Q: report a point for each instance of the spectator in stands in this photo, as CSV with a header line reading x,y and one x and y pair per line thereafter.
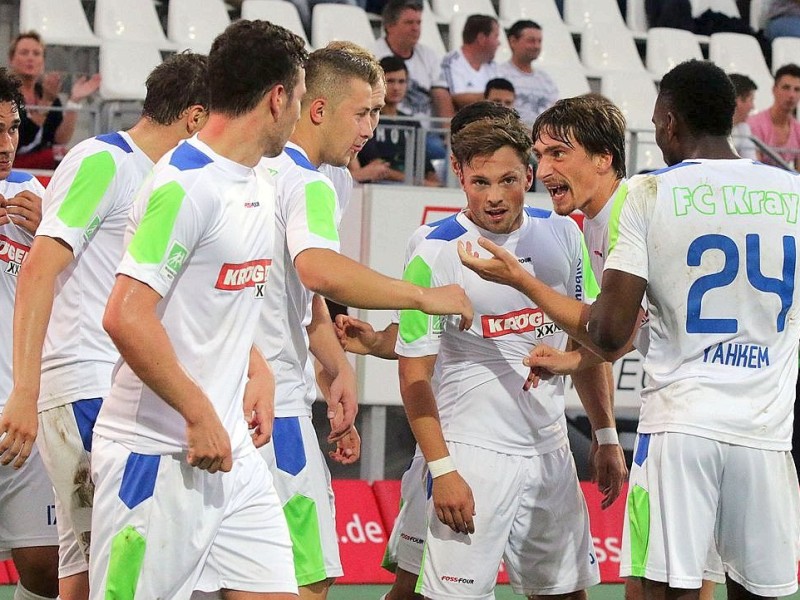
x,y
384,155
535,90
777,126
782,19
466,71
41,127
500,91
740,134
402,24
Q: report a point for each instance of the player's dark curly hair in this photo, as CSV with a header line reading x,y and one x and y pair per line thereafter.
x,y
702,95
10,89
176,84
591,120
262,55
485,136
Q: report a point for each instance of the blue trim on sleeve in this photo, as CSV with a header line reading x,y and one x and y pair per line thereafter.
x,y
299,159
85,412
448,230
186,157
287,440
115,139
18,177
642,448
673,167
139,478
538,213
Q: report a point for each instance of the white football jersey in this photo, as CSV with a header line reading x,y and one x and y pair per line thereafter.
x,y
86,205
716,241
205,244
307,215
479,372
15,243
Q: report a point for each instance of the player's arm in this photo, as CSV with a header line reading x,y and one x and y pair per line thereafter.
x,y
452,497
347,282
442,103
131,320
616,313
259,397
594,386
32,307
568,313
340,388
359,337
545,361
466,98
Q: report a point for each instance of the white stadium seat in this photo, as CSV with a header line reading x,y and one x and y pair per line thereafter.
x,y
194,24
130,20
785,50
430,35
59,22
124,67
609,47
331,22
447,9
668,47
280,12
535,10
581,13
740,53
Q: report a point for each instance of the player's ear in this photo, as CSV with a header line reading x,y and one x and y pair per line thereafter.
x,y
455,166
528,177
318,109
277,100
602,162
196,117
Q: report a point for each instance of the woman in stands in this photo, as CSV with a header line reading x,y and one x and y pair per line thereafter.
x,y
41,127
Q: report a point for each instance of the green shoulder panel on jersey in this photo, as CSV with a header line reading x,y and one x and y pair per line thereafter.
x,y
321,210
414,323
149,243
613,223
591,289
87,189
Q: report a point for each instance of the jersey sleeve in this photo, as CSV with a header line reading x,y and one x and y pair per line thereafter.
x,y
312,216
627,228
81,194
172,225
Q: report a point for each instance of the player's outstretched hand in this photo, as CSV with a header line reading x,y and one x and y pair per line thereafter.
x,y
610,472
453,501
448,300
503,267
18,426
342,402
24,210
348,448
209,444
545,361
355,335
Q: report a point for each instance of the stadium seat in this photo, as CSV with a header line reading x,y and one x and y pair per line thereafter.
x,y
740,53
668,47
635,94
430,35
447,9
456,38
279,12
331,22
609,46
785,50
726,7
535,10
194,24
636,16
756,8
59,22
124,67
580,14
560,59
130,20
570,81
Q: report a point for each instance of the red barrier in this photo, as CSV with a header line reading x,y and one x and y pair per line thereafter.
x,y
8,573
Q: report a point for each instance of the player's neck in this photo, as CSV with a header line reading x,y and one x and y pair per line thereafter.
x,y
710,147
307,136
156,140
238,139
602,195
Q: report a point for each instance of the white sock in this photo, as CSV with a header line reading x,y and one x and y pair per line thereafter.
x,y
22,594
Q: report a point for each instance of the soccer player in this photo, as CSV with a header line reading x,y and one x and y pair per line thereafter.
x,y
183,498
66,365
334,124
503,480
27,515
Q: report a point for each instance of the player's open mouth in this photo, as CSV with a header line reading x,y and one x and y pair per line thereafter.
x,y
557,192
496,214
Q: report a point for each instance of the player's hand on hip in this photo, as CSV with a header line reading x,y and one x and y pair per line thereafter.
x,y
453,501
354,335
545,361
209,445
610,472
24,210
348,448
18,426
448,300
503,267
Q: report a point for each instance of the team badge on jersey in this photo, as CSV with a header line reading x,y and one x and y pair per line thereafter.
x,y
175,258
12,253
527,320
252,274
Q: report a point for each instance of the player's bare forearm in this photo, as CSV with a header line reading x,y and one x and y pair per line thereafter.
x,y
420,405
259,397
592,386
322,339
617,313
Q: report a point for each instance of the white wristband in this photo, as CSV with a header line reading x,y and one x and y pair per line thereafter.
x,y
441,466
72,105
607,436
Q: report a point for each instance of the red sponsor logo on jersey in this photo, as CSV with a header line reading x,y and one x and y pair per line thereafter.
x,y
243,275
518,321
11,251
